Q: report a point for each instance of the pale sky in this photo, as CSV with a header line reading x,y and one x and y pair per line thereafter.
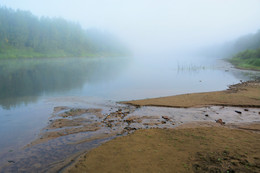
x,y
152,24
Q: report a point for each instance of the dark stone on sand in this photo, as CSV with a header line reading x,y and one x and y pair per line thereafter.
x,y
163,122
220,121
11,161
130,128
239,112
166,118
206,115
245,109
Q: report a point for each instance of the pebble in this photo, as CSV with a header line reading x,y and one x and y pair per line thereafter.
x,y
166,118
220,121
239,112
11,161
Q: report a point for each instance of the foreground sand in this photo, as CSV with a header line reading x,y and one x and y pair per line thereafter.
x,y
185,149
245,94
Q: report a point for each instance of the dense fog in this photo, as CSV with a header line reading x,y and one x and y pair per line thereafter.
x,y
150,26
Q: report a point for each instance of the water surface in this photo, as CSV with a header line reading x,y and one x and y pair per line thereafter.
x,y
30,88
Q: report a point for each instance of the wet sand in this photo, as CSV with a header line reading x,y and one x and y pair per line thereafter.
x,y
246,94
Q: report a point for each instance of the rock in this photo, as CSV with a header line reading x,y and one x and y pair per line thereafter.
x,y
206,115
163,122
173,123
129,120
166,118
238,112
130,128
11,161
220,121
245,109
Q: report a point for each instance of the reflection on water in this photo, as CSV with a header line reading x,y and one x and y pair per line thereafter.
x,y
24,80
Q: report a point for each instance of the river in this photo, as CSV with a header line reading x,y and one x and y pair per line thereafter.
x,y
31,88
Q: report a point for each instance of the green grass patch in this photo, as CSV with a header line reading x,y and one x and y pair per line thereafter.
x,y
249,59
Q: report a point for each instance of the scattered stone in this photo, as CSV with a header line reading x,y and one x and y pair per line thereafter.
x,y
151,123
166,118
130,128
206,115
220,121
239,112
173,123
11,161
245,109
129,120
163,122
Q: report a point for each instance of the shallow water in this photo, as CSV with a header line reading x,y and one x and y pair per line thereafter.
x,y
30,89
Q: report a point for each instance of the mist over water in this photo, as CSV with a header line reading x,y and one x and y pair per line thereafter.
x,y
169,42
149,26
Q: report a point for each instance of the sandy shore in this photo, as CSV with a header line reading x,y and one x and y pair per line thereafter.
x,y
246,94
201,132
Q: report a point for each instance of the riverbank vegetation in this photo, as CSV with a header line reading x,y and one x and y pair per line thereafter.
x,y
246,52
24,35
248,59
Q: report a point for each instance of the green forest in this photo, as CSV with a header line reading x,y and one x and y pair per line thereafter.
x,y
248,48
23,35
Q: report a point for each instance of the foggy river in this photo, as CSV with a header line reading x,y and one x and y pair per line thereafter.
x,y
31,88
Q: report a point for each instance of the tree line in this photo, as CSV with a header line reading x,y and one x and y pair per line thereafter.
x,y
24,35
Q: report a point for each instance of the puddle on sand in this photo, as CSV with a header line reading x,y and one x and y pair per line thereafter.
x,y
72,131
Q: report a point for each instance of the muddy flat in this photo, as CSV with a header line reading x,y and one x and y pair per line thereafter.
x,y
185,149
246,94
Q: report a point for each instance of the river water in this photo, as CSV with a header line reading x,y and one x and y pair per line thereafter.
x,y
31,88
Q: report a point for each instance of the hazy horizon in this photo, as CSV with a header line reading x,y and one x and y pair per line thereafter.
x,y
152,26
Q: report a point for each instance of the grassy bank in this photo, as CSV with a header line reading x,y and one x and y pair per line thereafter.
x,y
30,53
249,59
